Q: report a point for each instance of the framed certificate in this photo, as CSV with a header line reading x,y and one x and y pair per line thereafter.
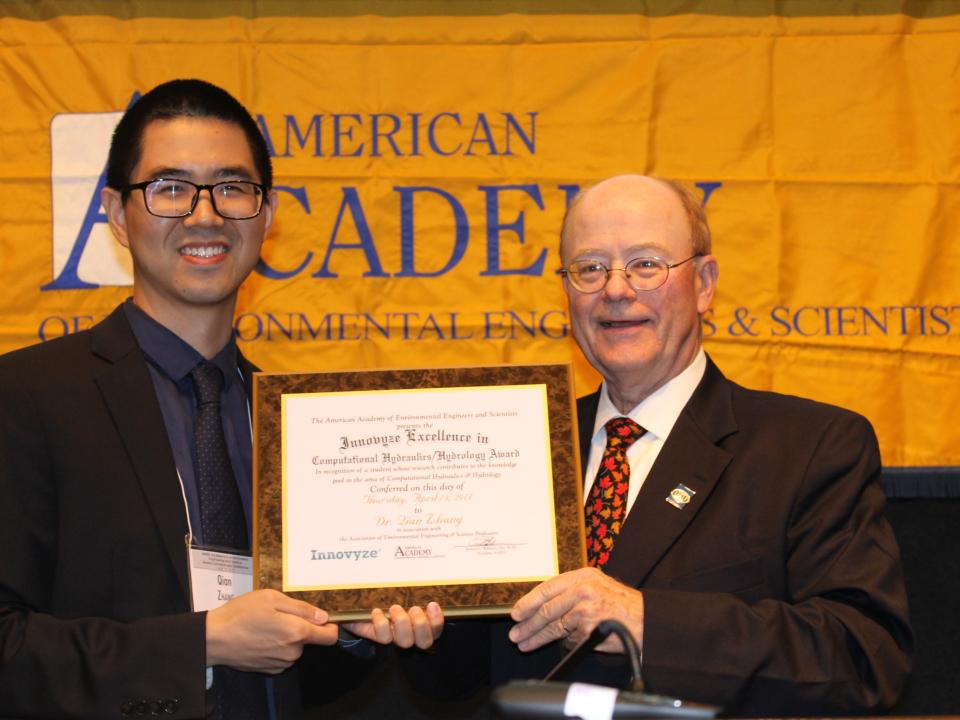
x,y
457,485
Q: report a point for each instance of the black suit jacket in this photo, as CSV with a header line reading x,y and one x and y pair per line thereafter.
x,y
94,596
776,591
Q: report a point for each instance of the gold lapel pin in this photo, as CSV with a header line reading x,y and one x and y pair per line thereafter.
x,y
680,496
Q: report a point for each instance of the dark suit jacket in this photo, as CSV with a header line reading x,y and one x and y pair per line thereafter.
x,y
94,596
778,589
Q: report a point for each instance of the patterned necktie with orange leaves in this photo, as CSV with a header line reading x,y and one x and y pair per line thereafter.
x,y
606,506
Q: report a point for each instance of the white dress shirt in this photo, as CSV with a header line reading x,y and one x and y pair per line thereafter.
x,y
657,414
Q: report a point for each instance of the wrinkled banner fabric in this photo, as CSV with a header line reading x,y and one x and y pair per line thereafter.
x,y
425,153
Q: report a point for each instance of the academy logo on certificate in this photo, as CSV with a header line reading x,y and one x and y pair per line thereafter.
x,y
85,254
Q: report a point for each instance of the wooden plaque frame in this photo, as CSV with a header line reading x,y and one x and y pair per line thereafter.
x,y
486,598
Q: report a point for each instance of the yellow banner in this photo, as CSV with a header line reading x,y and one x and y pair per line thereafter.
x,y
425,160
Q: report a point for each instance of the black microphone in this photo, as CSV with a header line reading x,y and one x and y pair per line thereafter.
x,y
552,699
548,699
599,634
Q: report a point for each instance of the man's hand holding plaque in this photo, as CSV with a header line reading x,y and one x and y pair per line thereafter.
x,y
417,626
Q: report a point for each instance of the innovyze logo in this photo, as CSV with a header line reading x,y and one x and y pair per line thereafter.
x,y
85,254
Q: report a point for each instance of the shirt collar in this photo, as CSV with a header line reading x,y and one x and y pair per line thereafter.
x,y
170,353
659,411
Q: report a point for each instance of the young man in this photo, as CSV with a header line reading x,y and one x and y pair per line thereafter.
x,y
117,443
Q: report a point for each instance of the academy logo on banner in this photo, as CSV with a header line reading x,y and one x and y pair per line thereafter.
x,y
85,253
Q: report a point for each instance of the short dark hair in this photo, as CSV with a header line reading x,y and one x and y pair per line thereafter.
x,y
174,99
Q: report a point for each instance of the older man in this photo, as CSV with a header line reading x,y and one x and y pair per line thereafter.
x,y
738,534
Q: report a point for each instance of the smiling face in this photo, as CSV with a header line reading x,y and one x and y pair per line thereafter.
x,y
197,262
636,340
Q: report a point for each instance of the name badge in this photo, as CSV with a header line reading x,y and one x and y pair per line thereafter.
x,y
217,577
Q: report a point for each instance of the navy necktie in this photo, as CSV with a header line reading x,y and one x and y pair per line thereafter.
x,y
239,695
221,511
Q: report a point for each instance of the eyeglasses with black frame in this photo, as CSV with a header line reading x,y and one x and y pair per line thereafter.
x,y
176,198
643,274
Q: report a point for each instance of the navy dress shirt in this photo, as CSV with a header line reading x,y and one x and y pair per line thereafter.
x,y
170,361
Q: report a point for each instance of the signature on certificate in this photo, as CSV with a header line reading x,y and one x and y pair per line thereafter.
x,y
487,543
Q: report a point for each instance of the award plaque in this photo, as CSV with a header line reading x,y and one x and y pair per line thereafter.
x,y
387,487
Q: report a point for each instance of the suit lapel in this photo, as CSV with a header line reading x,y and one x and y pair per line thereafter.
x,y
689,457
587,409
127,390
247,369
